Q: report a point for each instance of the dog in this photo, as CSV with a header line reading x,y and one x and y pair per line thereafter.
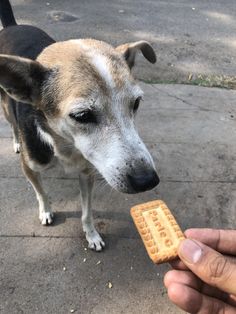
x,y
74,102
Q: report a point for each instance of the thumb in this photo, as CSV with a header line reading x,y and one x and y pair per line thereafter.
x,y
210,266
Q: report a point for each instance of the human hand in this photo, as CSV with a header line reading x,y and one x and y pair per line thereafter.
x,y
204,279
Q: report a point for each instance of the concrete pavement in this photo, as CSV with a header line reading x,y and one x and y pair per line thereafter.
x,y
191,134
190,37
189,130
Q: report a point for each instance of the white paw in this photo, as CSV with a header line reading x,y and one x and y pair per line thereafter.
x,y
46,218
16,147
95,241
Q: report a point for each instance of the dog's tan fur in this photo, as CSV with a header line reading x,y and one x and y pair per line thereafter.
x,y
77,75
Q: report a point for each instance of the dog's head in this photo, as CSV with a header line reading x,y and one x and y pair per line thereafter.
x,y
89,97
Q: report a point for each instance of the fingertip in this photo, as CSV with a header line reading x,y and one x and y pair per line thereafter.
x,y
184,297
201,234
166,280
190,251
190,233
169,278
174,292
191,300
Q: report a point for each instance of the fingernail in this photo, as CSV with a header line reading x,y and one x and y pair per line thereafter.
x,y
190,251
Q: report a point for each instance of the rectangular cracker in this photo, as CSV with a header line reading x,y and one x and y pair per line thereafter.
x,y
158,229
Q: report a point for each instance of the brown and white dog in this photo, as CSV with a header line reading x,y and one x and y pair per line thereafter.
x,y
75,104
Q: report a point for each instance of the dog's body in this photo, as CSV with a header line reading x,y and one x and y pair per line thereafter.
x,y
75,104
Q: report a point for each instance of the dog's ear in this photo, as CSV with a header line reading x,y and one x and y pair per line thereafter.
x,y
22,78
129,52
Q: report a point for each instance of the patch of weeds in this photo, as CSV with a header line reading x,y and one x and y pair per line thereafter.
x,y
220,81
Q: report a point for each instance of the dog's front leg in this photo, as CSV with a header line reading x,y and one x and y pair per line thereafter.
x,y
95,241
45,213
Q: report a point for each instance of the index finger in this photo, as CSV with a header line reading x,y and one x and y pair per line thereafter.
x,y
223,241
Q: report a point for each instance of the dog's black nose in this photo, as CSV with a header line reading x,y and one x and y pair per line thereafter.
x,y
143,182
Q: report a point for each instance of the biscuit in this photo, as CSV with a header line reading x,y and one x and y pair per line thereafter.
x,y
158,229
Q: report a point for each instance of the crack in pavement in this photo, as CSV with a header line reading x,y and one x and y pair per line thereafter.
x,y
163,180
111,236
185,102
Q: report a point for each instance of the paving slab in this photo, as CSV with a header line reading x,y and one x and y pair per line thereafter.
x,y
197,165
189,37
189,130
58,275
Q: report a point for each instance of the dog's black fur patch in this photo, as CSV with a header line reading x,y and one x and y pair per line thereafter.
x,y
6,14
38,150
25,41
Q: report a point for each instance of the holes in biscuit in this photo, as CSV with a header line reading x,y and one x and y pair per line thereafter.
x,y
180,234
163,234
155,258
150,243
147,237
141,225
140,219
153,250
168,242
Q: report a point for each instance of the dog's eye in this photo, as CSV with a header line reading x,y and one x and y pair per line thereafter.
x,y
136,104
86,116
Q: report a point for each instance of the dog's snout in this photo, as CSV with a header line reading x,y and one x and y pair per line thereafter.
x,y
144,181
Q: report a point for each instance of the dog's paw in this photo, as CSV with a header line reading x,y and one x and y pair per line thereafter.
x,y
46,218
95,241
16,147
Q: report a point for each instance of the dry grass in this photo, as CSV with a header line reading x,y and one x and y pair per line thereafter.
x,y
220,81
